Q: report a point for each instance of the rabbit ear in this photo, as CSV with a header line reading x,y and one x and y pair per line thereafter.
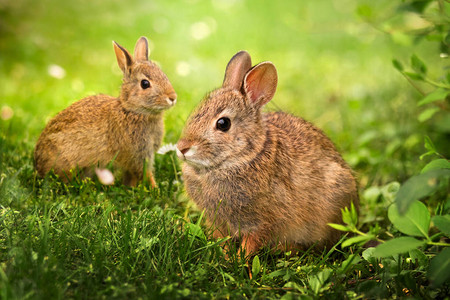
x,y
141,49
260,83
239,64
124,58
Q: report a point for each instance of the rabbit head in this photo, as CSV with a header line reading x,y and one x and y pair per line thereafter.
x,y
227,128
145,89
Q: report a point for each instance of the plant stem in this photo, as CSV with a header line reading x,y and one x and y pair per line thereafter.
x,y
414,85
365,234
439,244
437,84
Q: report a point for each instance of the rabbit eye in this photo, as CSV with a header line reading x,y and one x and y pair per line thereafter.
x,y
223,124
145,84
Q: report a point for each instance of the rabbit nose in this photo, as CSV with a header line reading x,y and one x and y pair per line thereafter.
x,y
180,154
182,148
172,97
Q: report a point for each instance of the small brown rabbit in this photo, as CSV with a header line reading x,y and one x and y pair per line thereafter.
x,y
268,179
99,129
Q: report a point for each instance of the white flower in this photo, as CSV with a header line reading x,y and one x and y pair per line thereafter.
x,y
167,148
56,71
6,113
105,176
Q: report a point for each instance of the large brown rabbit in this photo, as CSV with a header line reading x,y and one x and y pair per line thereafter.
x,y
268,179
99,129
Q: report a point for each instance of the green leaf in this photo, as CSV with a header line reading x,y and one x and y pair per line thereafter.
x,y
293,286
438,94
339,227
353,214
368,254
418,187
417,254
416,220
348,263
427,114
277,273
438,273
418,65
398,65
350,216
428,143
346,217
372,194
196,231
442,223
316,282
397,246
436,165
256,265
360,239
413,76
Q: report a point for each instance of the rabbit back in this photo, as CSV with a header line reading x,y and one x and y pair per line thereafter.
x,y
77,136
313,180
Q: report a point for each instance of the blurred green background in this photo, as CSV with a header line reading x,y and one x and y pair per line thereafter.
x,y
334,66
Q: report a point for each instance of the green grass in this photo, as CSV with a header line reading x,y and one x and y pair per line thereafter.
x,y
87,240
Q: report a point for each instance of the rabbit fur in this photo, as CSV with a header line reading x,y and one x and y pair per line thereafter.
x,y
271,179
99,129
